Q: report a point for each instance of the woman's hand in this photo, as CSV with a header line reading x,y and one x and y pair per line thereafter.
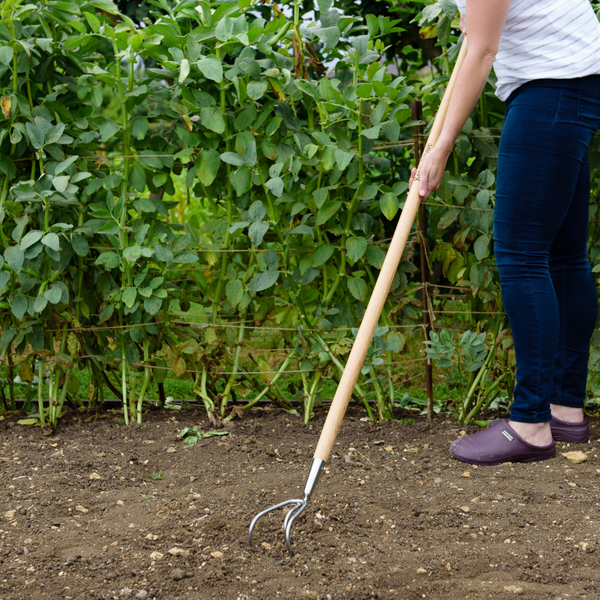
x,y
431,171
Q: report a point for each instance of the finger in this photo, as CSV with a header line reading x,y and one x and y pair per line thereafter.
x,y
413,173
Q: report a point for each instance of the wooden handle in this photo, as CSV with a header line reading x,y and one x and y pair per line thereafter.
x,y
382,286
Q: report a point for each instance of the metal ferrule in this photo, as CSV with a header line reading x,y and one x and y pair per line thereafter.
x,y
313,476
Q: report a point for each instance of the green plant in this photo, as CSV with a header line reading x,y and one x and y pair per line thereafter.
x,y
191,435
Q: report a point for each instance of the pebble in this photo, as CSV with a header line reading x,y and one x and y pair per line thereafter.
x,y
177,574
466,474
156,555
141,594
170,450
95,476
216,554
179,552
421,571
514,589
575,457
81,509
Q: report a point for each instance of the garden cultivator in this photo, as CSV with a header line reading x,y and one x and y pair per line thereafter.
x,y
367,328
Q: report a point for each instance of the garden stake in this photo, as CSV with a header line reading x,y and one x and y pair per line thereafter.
x,y
367,328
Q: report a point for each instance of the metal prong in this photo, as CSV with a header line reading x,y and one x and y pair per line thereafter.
x,y
268,510
295,511
292,515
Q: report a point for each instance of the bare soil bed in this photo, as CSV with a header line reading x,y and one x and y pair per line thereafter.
x,y
392,517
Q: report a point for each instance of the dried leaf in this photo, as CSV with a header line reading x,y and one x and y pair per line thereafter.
x,y
5,104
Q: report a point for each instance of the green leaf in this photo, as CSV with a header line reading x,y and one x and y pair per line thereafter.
x,y
211,68
372,133
80,245
15,257
358,288
207,166
212,119
152,305
184,70
234,291
4,278
448,218
327,211
108,129
139,127
256,89
343,158
129,295
31,238
65,164
60,183
322,255
240,180
262,281
110,260
6,55
391,129
51,240
375,256
232,158
275,184
6,339
330,36
301,229
389,204
36,135
257,231
356,248
481,246
185,257
53,294
137,177
324,5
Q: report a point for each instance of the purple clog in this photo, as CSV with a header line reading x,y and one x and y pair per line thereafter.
x,y
569,432
498,443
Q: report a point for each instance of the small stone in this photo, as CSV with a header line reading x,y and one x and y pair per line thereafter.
x,y
95,476
388,448
583,546
142,594
179,552
120,502
216,554
266,545
421,571
465,509
177,574
466,474
126,592
9,514
82,509
152,537
507,541
170,450
514,589
462,433
156,555
378,442
575,457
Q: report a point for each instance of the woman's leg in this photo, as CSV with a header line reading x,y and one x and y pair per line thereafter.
x,y
541,165
578,304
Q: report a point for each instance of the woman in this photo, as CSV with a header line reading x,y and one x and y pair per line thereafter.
x,y
546,55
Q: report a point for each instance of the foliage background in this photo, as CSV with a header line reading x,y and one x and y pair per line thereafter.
x,y
206,190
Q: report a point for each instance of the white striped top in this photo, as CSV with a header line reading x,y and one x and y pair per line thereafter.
x,y
545,39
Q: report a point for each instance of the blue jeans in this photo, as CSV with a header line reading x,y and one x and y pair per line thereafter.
x,y
540,235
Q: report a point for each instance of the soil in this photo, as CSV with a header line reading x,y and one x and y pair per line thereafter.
x,y
393,516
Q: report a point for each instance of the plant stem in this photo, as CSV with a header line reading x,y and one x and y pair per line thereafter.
x,y
308,407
